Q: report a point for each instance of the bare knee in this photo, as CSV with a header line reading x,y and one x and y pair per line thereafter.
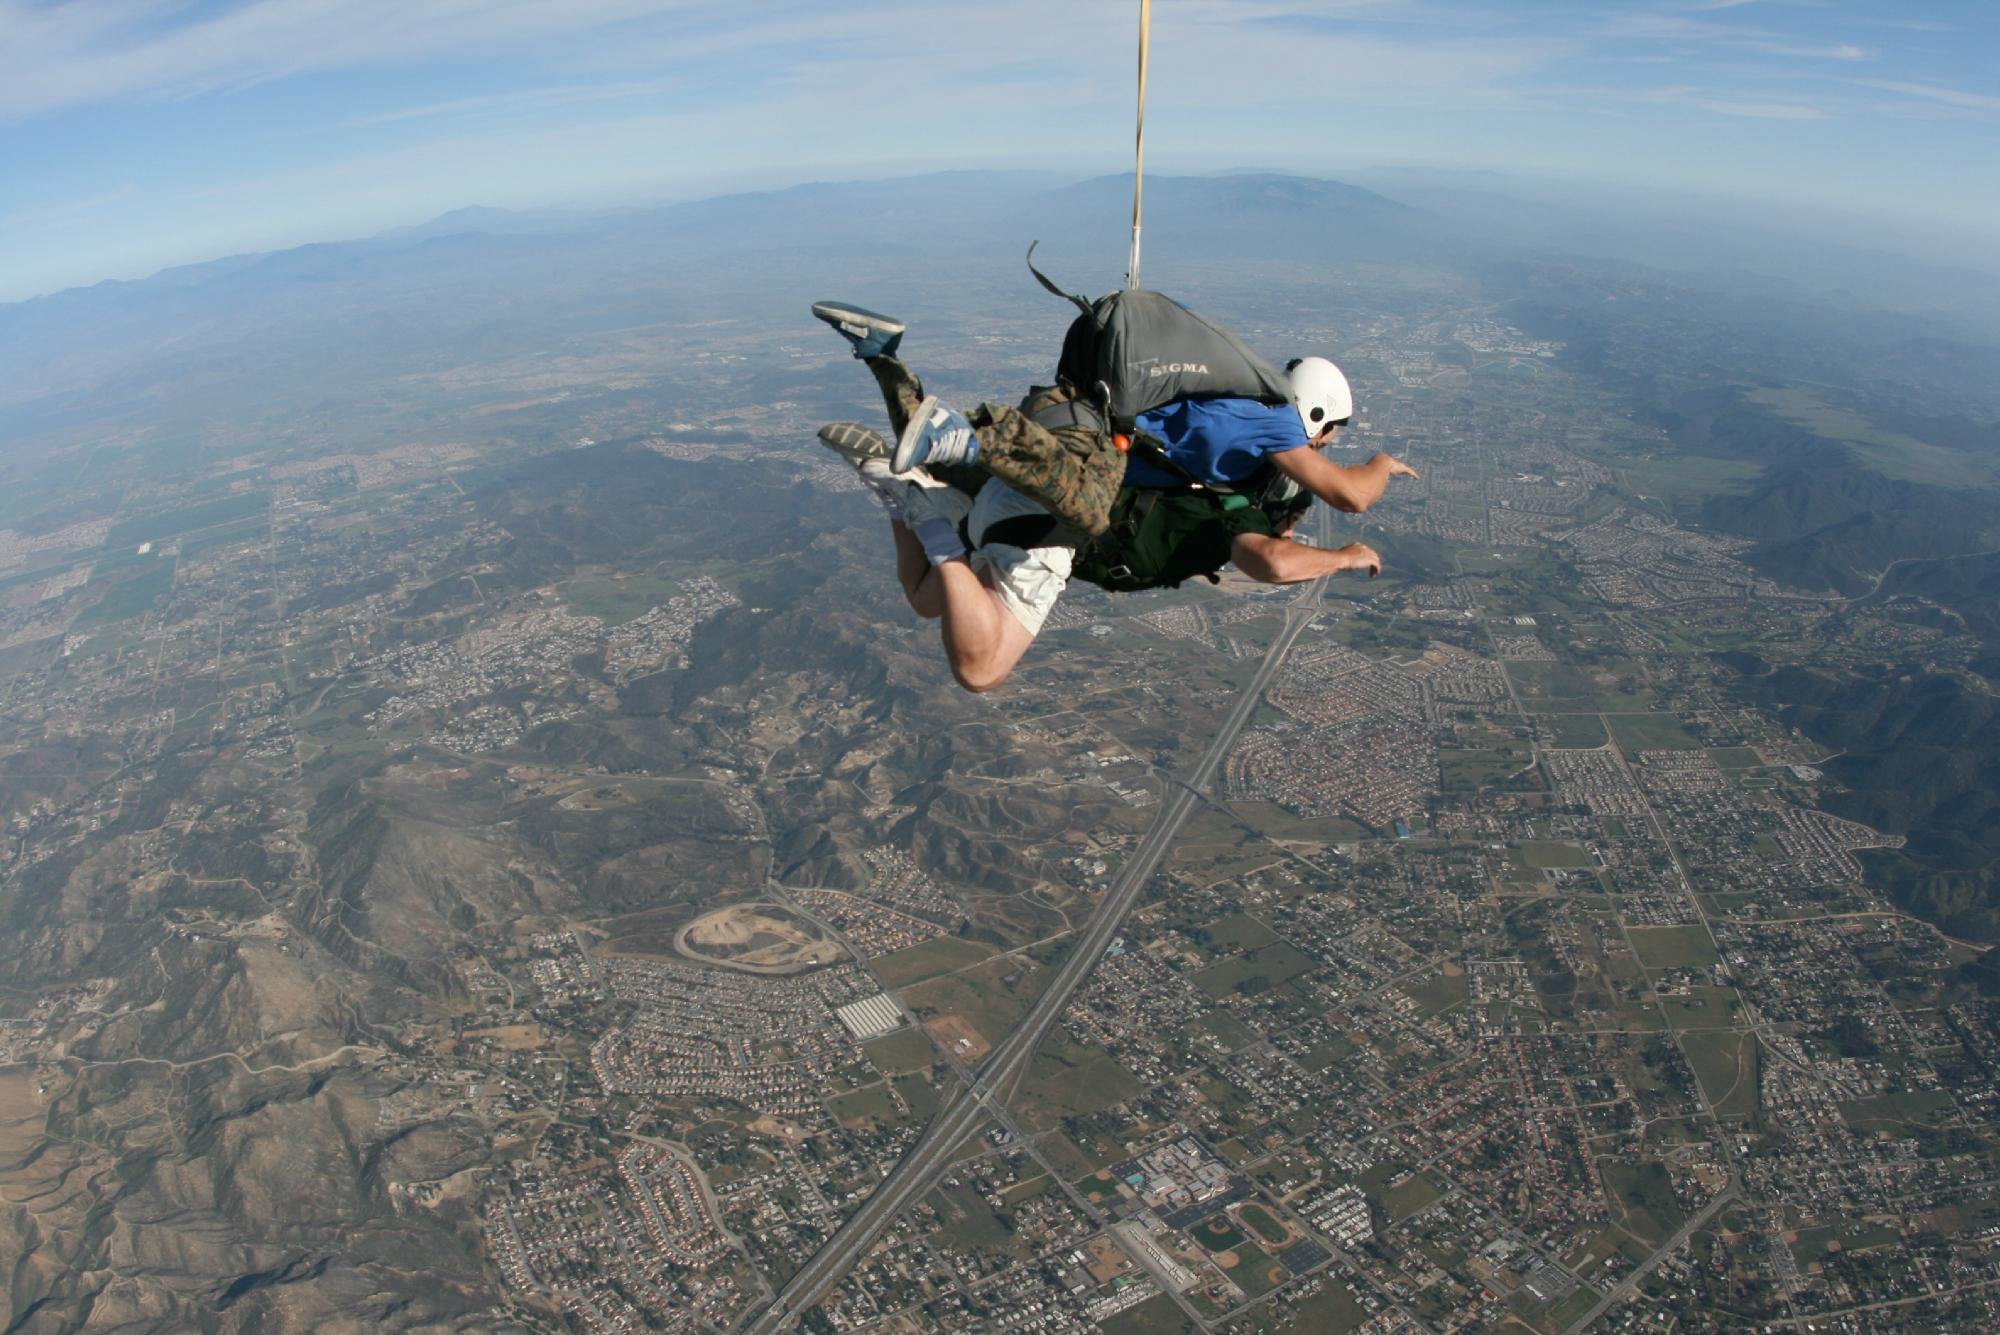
x,y
979,678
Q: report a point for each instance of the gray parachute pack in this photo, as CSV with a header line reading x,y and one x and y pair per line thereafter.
x,y
1135,350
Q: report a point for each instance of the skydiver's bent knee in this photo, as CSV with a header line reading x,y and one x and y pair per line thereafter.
x,y
979,680
982,662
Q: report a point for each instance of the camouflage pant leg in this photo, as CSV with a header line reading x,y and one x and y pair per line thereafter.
x,y
901,391
1073,470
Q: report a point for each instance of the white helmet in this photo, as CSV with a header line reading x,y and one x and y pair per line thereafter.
x,y
1320,393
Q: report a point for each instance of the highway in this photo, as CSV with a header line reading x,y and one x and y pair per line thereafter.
x,y
1629,1285
928,1159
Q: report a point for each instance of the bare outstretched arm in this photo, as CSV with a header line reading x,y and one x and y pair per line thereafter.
x,y
1351,488
1270,560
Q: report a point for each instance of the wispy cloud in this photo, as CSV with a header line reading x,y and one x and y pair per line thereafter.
x,y
1705,99
1729,36
1930,92
354,114
53,56
1906,25
1711,6
66,210
1806,50
67,55
1768,111
521,100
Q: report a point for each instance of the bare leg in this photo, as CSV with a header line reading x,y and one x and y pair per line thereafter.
x,y
982,639
921,588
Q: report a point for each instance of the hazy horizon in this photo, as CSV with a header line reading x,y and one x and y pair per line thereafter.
x,y
1601,200
151,136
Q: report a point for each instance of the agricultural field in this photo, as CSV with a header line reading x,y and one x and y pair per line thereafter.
x,y
1651,732
1674,947
1726,1065
943,955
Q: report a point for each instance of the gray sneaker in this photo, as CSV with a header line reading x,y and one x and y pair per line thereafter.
x,y
854,442
869,334
936,436
869,453
912,497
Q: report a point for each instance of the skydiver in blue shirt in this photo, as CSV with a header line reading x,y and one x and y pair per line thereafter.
x,y
1226,441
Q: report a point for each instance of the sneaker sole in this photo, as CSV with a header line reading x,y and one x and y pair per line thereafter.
x,y
852,319
905,457
853,441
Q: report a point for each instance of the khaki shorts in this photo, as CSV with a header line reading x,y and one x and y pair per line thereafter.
x,y
1028,579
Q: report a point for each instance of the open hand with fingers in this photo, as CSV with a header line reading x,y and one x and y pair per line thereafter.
x,y
1360,556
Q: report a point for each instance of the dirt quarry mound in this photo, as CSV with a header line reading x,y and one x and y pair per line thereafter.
x,y
757,938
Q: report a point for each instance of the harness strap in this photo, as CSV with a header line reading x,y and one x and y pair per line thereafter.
x,y
1156,453
1023,531
1052,289
1116,541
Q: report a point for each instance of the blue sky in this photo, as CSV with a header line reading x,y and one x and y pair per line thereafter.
x,y
136,134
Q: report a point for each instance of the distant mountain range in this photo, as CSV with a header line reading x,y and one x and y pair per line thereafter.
x,y
1835,527
1894,506
944,209
482,267
1920,755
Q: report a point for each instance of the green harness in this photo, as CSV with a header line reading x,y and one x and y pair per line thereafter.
x,y
1157,539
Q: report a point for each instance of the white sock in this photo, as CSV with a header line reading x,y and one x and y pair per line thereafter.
x,y
940,541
